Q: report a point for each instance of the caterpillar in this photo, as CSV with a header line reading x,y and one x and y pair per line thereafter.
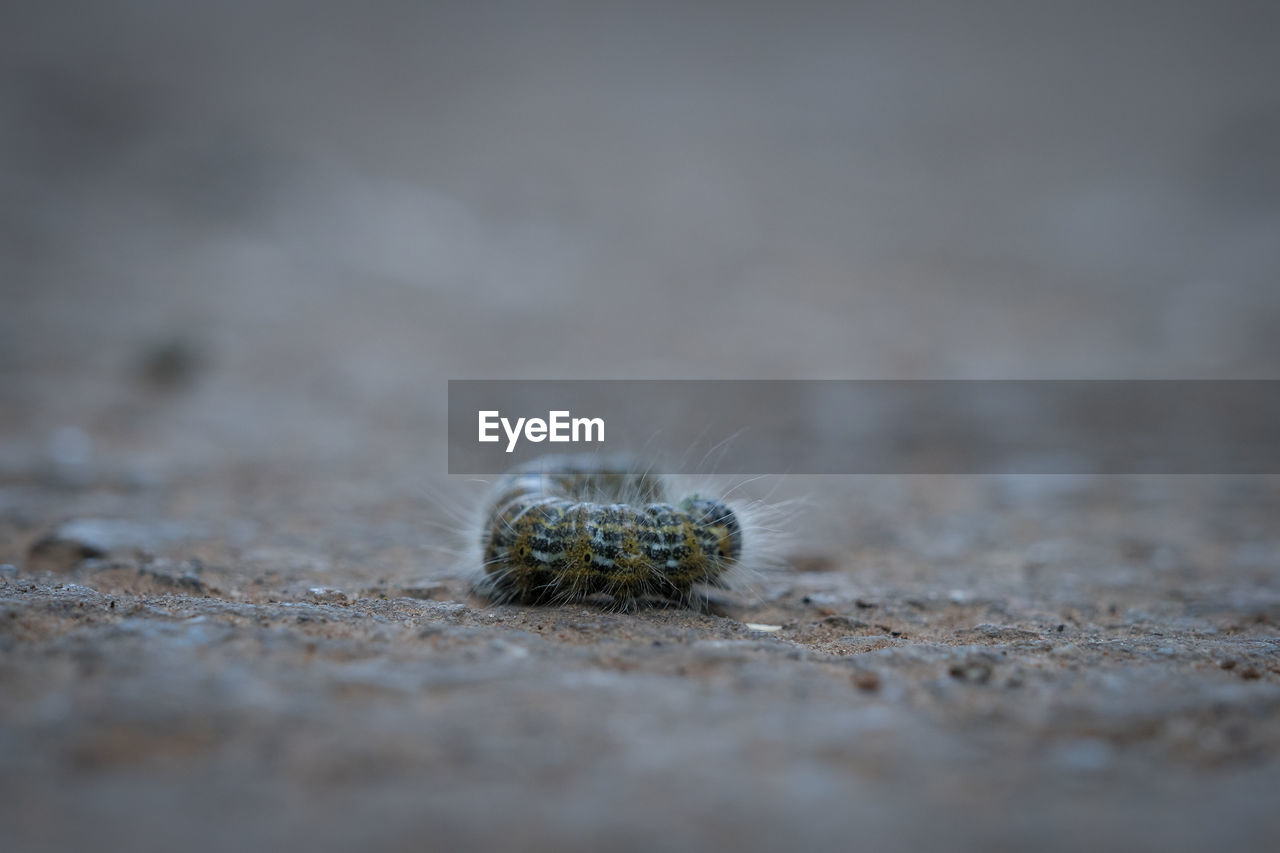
x,y
567,529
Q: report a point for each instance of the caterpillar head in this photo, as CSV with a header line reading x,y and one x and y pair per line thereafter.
x,y
717,525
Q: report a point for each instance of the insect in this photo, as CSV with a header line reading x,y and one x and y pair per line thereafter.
x,y
567,529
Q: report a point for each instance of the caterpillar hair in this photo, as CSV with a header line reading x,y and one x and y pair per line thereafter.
x,y
566,529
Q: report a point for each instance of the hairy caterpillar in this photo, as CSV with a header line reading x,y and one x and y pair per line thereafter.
x,y
567,529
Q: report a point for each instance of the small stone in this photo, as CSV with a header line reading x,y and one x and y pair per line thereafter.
x,y
327,595
824,599
868,682
977,672
186,581
67,545
1006,633
56,553
768,629
844,623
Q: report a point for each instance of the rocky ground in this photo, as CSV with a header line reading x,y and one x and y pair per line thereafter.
x,y
327,682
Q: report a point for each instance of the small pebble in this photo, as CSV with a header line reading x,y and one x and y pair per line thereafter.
x,y
866,681
843,622
327,595
978,672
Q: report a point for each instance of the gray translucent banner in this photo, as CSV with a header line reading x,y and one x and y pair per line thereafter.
x,y
873,427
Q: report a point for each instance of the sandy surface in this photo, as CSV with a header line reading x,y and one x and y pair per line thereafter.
x,y
243,251
1051,670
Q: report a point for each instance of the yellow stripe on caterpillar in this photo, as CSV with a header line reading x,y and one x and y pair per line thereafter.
x,y
564,529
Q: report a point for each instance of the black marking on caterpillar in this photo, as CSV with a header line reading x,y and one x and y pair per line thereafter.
x,y
569,529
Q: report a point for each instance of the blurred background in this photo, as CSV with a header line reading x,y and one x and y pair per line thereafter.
x,y
244,245
254,230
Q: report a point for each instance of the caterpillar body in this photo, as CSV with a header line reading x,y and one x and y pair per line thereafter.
x,y
568,529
